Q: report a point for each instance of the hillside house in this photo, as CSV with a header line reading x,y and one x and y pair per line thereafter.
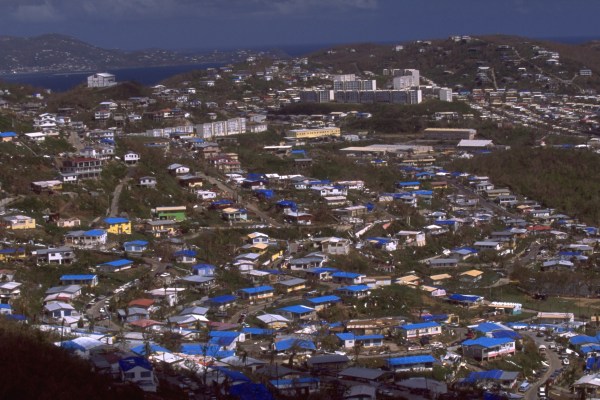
x,y
59,255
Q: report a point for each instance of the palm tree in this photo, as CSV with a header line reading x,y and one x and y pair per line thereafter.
x,y
358,346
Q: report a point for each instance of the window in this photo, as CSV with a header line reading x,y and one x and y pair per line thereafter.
x,y
146,374
129,375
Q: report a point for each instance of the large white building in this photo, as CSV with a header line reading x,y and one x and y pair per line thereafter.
x,y
413,96
316,96
446,94
406,78
233,126
101,79
361,84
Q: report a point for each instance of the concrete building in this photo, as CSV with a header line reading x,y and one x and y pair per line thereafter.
x,y
100,80
445,94
452,134
362,84
314,133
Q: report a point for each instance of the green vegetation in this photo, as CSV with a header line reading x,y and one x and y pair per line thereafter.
x,y
568,180
33,368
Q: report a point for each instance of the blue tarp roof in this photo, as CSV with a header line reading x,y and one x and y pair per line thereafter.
x,y
582,339
258,289
464,297
324,299
115,220
354,288
95,232
203,266
210,350
420,325
506,334
251,391
410,360
258,331
231,374
486,342
141,349
185,253
136,243
118,263
287,344
487,327
479,375
343,274
226,298
297,309
439,317
131,362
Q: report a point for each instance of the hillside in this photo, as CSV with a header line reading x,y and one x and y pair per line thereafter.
x,y
33,368
568,180
455,63
59,53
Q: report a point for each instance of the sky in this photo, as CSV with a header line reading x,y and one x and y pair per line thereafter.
x,y
210,24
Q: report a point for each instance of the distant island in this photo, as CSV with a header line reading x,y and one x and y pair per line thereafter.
x,y
54,53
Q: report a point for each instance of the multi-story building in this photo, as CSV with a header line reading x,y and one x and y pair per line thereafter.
x,y
449,134
316,96
102,79
361,84
445,94
17,222
314,133
233,126
82,167
412,96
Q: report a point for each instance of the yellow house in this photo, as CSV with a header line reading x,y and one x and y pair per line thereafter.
x,y
12,254
118,226
16,222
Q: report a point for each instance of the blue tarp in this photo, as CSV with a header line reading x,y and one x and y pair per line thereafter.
x,y
251,391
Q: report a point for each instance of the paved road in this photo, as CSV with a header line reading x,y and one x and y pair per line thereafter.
x,y
114,205
232,192
552,359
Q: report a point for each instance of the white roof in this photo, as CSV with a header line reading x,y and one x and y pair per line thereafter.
x,y
269,318
474,143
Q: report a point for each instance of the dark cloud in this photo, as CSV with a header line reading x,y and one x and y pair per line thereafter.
x,y
216,23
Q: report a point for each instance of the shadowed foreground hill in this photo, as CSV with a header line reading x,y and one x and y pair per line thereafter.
x,y
33,368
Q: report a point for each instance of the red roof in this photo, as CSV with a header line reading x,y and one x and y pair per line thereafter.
x,y
144,303
538,228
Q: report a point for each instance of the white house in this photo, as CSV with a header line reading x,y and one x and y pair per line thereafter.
x,y
139,371
131,158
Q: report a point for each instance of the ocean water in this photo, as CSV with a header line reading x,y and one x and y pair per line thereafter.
x,y
60,82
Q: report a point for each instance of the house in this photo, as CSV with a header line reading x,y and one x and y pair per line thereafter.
x,y
140,372
5,309
465,300
257,238
555,317
256,293
231,214
7,136
349,278
485,348
87,280
423,362
161,228
135,247
62,293
18,222
131,158
303,386
419,330
505,379
355,291
198,282
360,374
334,245
115,265
471,276
488,245
59,309
443,263
185,256
384,243
50,187
147,182
350,340
86,239
439,279
59,255
178,169
221,303
176,213
82,167
7,275
312,260
297,345
204,270
297,217
327,363
298,312
506,307
9,291
273,321
191,182
118,226
226,340
12,254
68,222
291,285
322,302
